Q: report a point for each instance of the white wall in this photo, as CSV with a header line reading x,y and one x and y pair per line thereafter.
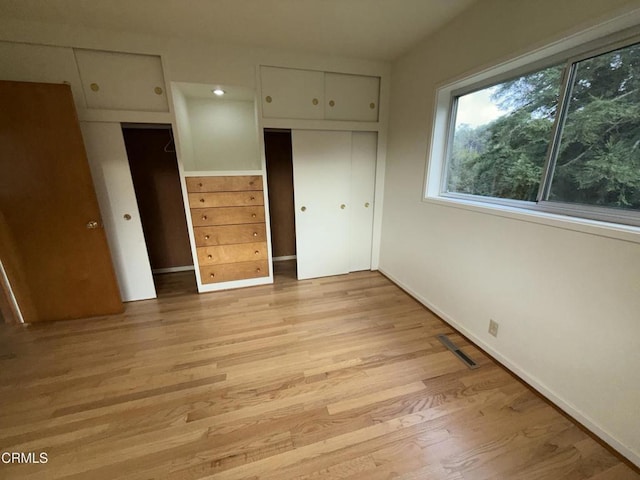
x,y
184,143
568,302
224,135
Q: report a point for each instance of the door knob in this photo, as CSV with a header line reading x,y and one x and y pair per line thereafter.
x,y
92,225
343,206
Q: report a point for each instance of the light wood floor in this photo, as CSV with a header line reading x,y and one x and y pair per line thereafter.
x,y
336,378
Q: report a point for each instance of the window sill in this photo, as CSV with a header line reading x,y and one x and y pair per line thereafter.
x,y
616,231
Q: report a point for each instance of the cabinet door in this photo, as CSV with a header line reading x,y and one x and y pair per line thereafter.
x,y
321,180
290,93
21,62
351,97
122,81
364,147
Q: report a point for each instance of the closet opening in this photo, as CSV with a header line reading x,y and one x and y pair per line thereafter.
x,y
279,160
156,181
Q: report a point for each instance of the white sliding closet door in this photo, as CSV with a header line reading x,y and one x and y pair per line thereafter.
x,y
321,182
364,149
114,187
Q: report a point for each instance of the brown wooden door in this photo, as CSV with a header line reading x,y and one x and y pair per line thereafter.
x,y
50,208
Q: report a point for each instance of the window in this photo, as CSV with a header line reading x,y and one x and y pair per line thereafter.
x,y
564,138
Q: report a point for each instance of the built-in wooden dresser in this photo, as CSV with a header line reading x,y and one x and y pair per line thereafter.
x,y
228,220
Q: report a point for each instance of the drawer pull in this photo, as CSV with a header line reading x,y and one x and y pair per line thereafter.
x,y
204,217
200,184
257,252
202,200
252,198
253,215
212,275
209,256
255,234
206,237
258,269
251,182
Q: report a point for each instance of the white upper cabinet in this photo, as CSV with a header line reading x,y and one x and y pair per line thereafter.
x,y
122,81
21,62
291,93
312,95
351,97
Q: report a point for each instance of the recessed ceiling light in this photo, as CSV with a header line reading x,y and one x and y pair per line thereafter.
x,y
218,91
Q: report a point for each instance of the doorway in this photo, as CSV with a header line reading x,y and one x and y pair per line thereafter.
x,y
156,181
279,159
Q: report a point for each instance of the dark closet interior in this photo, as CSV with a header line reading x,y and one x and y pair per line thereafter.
x,y
156,181
280,177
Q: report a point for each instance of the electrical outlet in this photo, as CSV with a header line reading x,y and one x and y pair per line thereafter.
x,y
493,328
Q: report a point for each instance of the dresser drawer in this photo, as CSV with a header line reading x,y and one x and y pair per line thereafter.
x,y
234,271
243,252
230,234
225,199
224,184
201,217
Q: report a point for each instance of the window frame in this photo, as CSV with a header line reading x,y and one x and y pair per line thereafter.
x,y
554,55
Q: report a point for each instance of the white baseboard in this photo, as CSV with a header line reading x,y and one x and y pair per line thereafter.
x,y
186,268
534,382
283,259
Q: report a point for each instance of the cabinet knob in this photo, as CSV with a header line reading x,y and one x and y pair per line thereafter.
x,y
315,101
332,103
303,208
251,182
268,99
95,87
92,225
200,184
126,216
253,215
255,234
209,256
258,269
366,205
372,105
202,200
252,198
257,252
212,275
206,237
204,217
343,206
158,91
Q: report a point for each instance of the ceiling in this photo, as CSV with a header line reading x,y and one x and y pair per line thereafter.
x,y
372,29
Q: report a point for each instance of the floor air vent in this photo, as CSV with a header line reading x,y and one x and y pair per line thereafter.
x,y
457,352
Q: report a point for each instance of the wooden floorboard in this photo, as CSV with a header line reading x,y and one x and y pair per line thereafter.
x,y
333,378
